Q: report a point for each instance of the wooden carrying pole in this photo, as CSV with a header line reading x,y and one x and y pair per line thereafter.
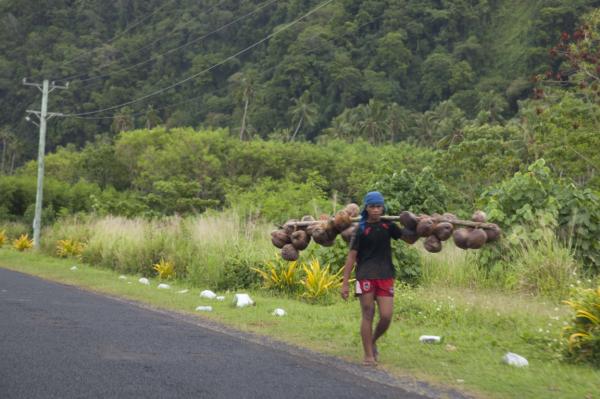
x,y
437,219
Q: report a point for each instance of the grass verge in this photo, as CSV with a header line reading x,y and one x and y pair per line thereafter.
x,y
478,328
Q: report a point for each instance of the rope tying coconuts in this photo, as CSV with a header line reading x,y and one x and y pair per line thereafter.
x,y
295,235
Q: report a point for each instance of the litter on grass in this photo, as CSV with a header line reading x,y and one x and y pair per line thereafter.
x,y
122,277
163,286
144,281
512,359
204,308
182,291
208,294
430,339
242,300
220,298
74,268
279,312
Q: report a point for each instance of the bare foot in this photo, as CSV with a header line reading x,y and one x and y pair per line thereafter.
x,y
375,353
370,362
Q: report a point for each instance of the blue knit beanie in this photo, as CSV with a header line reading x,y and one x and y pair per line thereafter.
x,y
372,198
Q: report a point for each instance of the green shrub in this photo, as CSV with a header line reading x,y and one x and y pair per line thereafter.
x,y
582,336
237,271
407,261
280,275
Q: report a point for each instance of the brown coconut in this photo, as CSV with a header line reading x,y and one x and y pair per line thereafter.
x,y
433,244
307,218
409,236
493,233
449,216
289,229
279,238
476,239
349,232
409,220
352,209
289,253
460,238
300,239
425,226
342,221
479,216
443,230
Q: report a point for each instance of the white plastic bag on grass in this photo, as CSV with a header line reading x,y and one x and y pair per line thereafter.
x,y
163,286
144,281
512,359
208,294
279,312
204,308
242,300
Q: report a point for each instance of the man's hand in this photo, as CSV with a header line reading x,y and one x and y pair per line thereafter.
x,y
345,290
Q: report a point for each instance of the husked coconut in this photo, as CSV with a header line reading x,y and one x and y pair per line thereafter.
x,y
449,216
342,221
433,244
300,239
279,238
493,233
479,216
460,238
289,253
307,218
289,228
443,230
409,236
352,209
409,220
476,239
425,226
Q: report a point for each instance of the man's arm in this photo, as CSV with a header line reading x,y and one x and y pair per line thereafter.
x,y
348,266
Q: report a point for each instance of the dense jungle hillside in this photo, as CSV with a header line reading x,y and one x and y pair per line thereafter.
x,y
334,72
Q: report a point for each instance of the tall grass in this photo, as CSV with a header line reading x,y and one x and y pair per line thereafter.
x,y
545,267
198,246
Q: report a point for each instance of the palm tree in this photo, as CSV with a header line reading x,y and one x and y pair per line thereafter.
x,y
304,112
245,91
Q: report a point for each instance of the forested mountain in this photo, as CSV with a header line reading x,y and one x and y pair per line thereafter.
x,y
342,70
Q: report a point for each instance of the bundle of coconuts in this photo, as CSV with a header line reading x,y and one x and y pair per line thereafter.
x,y
295,235
436,228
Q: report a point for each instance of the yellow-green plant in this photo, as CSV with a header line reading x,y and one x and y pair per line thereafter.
x,y
65,248
583,333
22,243
279,275
318,282
165,269
2,237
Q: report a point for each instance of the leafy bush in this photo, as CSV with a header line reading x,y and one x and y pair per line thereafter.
x,y
280,275
418,193
165,269
319,282
335,256
68,247
533,201
407,261
238,271
22,243
582,335
2,237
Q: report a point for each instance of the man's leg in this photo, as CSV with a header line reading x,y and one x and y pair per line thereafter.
x,y
367,305
386,309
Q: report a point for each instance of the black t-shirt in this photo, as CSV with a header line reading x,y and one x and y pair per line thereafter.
x,y
374,258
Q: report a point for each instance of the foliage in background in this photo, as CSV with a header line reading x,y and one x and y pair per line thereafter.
x,y
280,275
2,237
533,201
419,193
582,335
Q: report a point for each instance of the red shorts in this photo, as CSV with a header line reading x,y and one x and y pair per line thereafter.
x,y
381,287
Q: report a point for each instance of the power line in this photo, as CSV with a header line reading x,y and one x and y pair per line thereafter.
x,y
127,29
178,27
182,46
189,100
179,83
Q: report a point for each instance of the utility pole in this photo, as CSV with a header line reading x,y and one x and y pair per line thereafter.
x,y
43,116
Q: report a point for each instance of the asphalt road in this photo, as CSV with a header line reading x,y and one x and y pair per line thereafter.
x,y
58,341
